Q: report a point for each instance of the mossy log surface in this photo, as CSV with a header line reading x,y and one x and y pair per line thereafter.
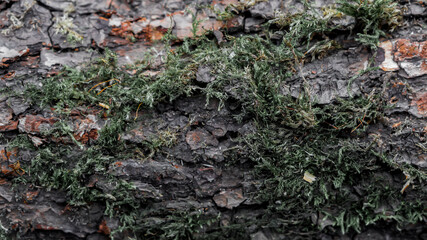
x,y
206,119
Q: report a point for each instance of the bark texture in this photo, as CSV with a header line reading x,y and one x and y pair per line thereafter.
x,y
181,168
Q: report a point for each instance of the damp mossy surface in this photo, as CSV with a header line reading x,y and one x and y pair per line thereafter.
x,y
293,135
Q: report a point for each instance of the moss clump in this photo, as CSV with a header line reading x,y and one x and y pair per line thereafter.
x,y
342,166
372,16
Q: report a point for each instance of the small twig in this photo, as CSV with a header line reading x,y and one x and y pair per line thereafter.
x,y
90,79
361,122
98,85
113,79
136,114
105,88
332,125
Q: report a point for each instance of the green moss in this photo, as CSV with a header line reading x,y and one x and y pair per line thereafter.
x,y
66,27
339,164
4,234
294,135
21,141
184,225
371,16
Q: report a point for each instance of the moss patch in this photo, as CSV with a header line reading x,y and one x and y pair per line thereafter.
x,y
294,135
